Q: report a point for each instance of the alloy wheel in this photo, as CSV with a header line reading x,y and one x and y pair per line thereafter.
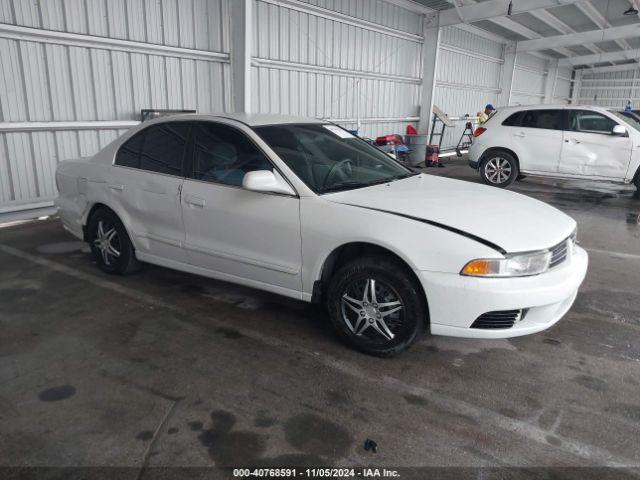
x,y
372,309
107,242
497,170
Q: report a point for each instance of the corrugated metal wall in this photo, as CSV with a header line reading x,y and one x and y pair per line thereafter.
x,y
468,77
307,61
94,62
528,80
562,89
610,89
86,67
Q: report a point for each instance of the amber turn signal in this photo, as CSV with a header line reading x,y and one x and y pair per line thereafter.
x,y
477,267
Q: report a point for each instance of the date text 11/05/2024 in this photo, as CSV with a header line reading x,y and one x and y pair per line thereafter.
x,y
315,473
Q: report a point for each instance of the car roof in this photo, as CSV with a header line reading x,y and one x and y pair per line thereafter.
x,y
250,119
552,106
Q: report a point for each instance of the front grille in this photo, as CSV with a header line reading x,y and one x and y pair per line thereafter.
x,y
560,252
497,320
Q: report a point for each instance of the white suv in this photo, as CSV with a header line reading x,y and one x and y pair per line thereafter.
x,y
565,141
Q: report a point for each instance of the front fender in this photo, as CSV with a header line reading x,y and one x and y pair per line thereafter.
x,y
327,225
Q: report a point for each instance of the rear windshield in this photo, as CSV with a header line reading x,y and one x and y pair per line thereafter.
x,y
491,115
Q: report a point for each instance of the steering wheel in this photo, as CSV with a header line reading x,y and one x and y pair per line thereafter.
x,y
340,169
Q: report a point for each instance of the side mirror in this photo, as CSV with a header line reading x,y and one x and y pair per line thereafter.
x,y
619,131
266,181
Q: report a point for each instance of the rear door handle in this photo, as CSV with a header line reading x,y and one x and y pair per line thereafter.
x,y
195,201
521,134
119,188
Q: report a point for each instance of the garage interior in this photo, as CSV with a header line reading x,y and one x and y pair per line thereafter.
x,y
162,369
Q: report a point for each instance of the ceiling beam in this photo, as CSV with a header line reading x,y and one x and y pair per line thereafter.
x,y
557,24
602,57
526,32
592,36
597,18
514,26
494,8
610,68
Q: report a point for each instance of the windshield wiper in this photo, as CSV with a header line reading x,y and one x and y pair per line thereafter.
x,y
343,186
393,178
405,175
352,184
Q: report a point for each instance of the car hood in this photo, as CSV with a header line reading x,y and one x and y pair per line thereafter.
x,y
513,222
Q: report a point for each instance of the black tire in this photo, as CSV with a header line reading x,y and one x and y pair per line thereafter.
x,y
499,169
102,222
392,281
636,181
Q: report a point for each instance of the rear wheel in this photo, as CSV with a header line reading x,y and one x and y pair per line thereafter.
x,y
376,306
110,244
499,169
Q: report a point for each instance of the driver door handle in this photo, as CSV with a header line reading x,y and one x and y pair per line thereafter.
x,y
520,134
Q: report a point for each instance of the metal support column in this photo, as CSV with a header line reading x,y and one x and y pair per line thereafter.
x,y
241,40
508,70
430,49
550,81
576,87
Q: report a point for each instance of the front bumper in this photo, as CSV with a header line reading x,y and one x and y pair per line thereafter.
x,y
455,301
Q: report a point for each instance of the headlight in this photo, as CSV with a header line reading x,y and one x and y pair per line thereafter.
x,y
515,266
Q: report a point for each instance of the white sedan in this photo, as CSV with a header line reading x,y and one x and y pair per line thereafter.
x,y
303,208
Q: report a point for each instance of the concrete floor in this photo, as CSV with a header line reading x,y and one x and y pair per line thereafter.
x,y
168,369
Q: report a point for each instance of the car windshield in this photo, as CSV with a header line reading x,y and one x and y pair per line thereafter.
x,y
329,159
628,117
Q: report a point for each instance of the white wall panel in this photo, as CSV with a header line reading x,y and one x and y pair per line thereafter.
x,y
337,59
562,91
610,89
469,42
55,79
310,65
335,63
468,77
375,11
528,80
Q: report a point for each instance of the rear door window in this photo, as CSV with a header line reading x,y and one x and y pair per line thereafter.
x,y
545,119
159,148
164,148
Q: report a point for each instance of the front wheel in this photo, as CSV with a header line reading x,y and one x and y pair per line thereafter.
x,y
499,169
376,306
